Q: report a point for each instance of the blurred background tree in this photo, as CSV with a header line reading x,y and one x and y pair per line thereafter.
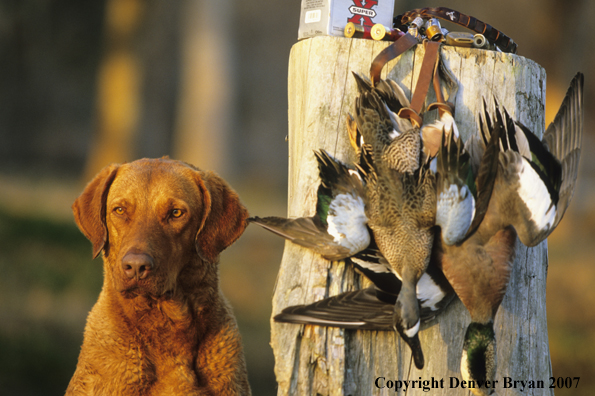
x,y
83,84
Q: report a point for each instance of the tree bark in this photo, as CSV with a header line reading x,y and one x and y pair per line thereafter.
x,y
313,360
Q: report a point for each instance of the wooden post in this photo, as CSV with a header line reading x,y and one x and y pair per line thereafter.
x,y
312,360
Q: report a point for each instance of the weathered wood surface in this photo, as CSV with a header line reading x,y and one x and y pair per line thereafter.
x,y
312,360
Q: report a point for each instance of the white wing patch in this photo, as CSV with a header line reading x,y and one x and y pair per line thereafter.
x,y
347,222
455,210
536,197
374,267
428,292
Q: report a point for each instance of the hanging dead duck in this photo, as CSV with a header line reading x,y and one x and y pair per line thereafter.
x,y
530,185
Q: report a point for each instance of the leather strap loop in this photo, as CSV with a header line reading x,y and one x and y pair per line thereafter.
x,y
426,74
436,83
401,45
440,104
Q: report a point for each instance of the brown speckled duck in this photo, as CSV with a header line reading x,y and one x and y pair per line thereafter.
x,y
401,200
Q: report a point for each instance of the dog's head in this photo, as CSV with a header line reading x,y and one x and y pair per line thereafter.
x,y
152,218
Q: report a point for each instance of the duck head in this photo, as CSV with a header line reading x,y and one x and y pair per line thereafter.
x,y
478,362
409,333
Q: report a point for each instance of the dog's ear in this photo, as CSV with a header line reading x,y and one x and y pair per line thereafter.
x,y
224,218
89,208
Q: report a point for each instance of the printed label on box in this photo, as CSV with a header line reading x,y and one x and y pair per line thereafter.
x,y
313,16
329,17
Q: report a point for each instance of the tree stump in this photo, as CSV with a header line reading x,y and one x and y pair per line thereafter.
x,y
313,360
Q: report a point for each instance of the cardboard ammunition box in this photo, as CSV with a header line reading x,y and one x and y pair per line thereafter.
x,y
329,17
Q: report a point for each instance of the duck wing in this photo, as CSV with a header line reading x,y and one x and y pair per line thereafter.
x,y
455,190
536,178
563,139
338,228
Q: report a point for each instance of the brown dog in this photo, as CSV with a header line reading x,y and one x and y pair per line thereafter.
x,y
161,325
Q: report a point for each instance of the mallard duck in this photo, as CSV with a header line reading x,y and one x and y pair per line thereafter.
x,y
524,191
338,228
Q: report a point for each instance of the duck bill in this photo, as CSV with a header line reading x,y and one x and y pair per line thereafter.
x,y
416,351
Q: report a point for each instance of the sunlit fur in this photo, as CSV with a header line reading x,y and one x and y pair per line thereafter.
x,y
170,331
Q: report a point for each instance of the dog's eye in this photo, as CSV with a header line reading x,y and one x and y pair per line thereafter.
x,y
176,213
119,210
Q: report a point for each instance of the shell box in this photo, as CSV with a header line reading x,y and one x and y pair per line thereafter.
x,y
329,17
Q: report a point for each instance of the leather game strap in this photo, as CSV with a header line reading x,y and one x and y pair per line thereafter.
x,y
426,76
493,35
401,45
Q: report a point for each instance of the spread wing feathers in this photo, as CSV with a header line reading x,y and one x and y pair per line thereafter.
x,y
336,178
373,121
390,92
485,149
538,177
338,228
360,310
455,190
434,293
306,232
563,139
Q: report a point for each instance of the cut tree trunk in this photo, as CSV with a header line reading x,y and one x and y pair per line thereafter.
x,y
313,360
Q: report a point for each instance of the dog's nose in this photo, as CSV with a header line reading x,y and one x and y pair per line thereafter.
x,y
137,265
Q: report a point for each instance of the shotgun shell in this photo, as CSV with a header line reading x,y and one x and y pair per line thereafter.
x,y
434,30
381,32
356,31
479,41
378,32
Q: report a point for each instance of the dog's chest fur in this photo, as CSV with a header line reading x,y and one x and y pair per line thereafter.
x,y
160,342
